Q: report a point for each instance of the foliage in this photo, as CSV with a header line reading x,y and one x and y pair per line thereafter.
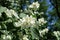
x,y
27,20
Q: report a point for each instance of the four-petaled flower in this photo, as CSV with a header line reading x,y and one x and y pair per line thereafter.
x,y
41,21
34,5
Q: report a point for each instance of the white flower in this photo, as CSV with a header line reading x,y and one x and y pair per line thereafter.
x,y
57,34
14,13
3,37
9,37
25,37
34,5
8,13
35,12
41,21
17,24
11,13
26,22
42,32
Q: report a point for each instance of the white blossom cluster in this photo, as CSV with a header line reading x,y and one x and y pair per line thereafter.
x,y
34,5
57,34
27,21
43,32
41,21
11,13
25,37
6,37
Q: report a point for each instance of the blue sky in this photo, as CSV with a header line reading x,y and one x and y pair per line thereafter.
x,y
50,8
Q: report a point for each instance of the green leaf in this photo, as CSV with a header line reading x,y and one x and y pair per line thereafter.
x,y
2,9
22,15
34,33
